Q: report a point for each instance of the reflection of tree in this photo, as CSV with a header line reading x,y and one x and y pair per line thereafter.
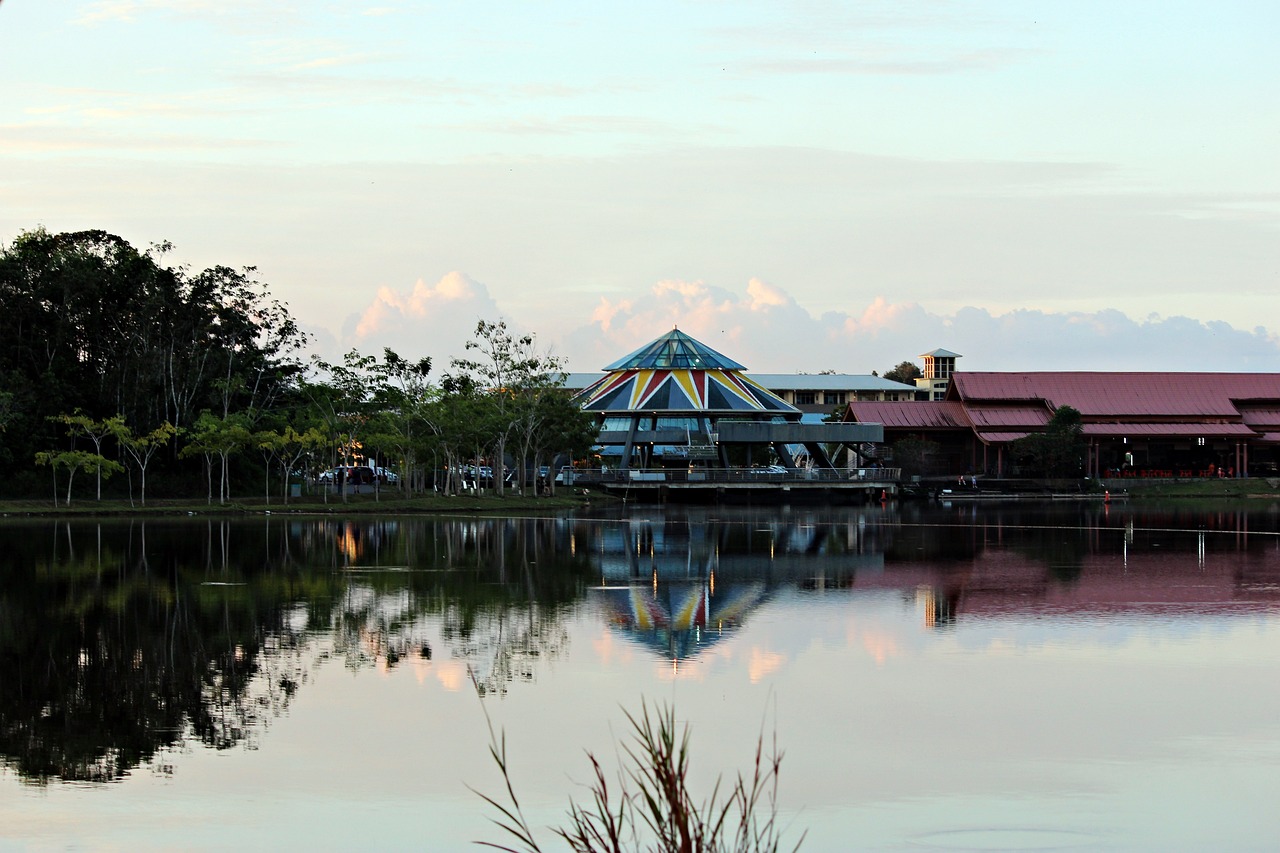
x,y
120,641
108,659
497,588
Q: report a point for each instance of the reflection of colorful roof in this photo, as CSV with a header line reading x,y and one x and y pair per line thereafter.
x,y
681,619
675,349
680,390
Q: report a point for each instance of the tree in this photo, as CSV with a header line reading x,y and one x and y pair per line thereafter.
x,y
97,432
906,372
559,424
92,325
73,461
508,365
287,447
400,396
341,402
221,437
917,456
142,448
1056,452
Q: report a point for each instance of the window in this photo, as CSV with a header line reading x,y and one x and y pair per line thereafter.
x,y
806,398
833,398
690,424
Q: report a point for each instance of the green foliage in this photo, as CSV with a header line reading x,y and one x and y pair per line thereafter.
x,y
917,456
141,448
91,325
113,346
1056,452
72,461
652,807
906,372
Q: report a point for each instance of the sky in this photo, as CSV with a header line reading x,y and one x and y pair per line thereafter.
x,y
803,186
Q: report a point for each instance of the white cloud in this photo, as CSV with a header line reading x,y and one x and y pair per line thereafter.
x,y
435,320
763,327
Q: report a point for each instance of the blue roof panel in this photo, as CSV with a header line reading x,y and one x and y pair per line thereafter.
x,y
675,350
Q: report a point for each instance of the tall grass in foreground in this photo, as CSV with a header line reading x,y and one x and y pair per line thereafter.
x,y
651,807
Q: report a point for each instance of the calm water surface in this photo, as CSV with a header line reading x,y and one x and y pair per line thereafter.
x,y
940,678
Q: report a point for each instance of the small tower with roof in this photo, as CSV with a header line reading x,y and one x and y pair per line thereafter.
x,y
938,367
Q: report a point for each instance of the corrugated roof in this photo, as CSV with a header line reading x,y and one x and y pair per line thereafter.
x,y
1001,437
1129,395
911,415
1207,429
828,382
1261,416
1005,415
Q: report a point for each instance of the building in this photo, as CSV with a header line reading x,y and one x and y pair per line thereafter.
x,y
675,402
825,393
1134,424
939,365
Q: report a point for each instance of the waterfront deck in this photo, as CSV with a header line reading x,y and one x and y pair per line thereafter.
x,y
717,485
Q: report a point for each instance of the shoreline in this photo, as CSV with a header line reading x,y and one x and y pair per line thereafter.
x,y
1121,491
392,504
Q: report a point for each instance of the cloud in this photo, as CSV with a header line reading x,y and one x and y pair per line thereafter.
x,y
429,319
765,328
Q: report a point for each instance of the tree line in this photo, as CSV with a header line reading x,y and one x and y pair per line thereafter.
x,y
127,370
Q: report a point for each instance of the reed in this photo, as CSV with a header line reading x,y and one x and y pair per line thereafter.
x,y
649,806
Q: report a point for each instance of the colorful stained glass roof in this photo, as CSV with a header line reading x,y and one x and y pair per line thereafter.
x,y
675,350
629,390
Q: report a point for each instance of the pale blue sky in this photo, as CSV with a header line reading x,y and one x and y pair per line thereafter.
x,y
802,185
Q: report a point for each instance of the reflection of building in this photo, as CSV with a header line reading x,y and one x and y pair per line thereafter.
x,y
678,586
1134,424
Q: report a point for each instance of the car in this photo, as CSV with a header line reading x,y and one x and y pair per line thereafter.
x,y
388,476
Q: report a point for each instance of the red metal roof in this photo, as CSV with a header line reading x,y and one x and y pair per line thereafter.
x,y
1001,407
1261,416
1184,428
1129,395
911,414
1001,437
982,415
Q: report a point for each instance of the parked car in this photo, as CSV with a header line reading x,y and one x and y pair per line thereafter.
x,y
349,475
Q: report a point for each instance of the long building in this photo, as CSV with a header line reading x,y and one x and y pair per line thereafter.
x,y
1134,424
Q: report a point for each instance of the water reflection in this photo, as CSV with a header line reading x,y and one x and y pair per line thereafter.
x,y
123,641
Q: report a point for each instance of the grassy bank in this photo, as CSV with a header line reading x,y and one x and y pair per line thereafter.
x,y
387,502
1249,488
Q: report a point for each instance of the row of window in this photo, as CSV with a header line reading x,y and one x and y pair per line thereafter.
x,y
829,398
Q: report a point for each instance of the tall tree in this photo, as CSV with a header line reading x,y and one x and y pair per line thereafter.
x,y
142,447
907,372
1056,452
505,365
92,324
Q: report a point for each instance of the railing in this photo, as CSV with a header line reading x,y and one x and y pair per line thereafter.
x,y
649,476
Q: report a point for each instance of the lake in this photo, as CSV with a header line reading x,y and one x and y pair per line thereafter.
x,y
938,677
